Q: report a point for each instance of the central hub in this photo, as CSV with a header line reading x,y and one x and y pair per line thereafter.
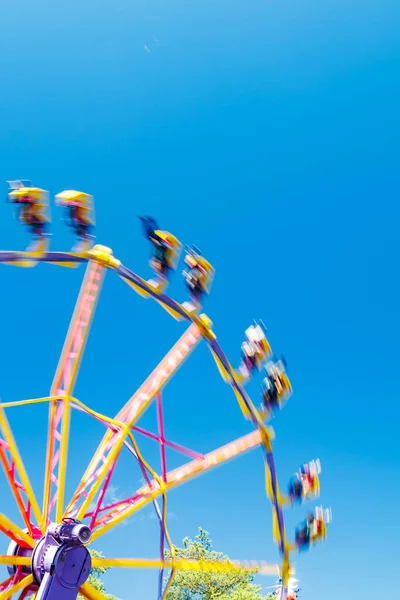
x,y
15,550
60,562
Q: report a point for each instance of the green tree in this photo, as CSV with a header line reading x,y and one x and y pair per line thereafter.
x,y
95,577
200,585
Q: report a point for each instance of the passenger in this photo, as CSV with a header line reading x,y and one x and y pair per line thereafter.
x,y
161,260
77,220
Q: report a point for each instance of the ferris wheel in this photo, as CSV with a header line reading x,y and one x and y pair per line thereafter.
x,y
47,556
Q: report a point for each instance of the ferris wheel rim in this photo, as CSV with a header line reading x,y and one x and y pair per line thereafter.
x,y
206,333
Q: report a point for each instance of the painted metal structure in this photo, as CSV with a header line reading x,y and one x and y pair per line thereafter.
x,y
87,504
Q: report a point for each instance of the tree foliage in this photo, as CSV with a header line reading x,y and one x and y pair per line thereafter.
x,y
200,585
95,578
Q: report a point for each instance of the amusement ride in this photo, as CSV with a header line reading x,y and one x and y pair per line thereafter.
x,y
47,556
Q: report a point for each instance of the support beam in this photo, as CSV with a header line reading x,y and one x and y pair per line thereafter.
x,y
16,587
124,509
206,566
17,477
63,386
15,533
111,445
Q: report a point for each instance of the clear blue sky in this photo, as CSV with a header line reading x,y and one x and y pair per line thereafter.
x,y
266,133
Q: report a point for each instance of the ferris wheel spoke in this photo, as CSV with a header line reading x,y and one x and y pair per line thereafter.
x,y
162,516
132,447
161,433
122,510
15,533
25,593
173,445
15,561
63,385
90,593
16,475
14,588
111,445
6,583
26,402
210,566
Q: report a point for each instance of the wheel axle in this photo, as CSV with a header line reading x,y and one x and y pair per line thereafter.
x,y
60,562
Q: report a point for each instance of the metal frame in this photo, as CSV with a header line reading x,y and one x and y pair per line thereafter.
x,y
97,477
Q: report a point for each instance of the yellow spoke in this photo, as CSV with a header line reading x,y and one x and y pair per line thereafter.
x,y
112,443
14,532
90,593
14,467
26,402
17,587
92,282
63,385
231,566
15,561
174,478
63,459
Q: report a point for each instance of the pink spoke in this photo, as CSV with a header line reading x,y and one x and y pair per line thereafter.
x,y
63,385
17,478
112,442
174,478
13,536
183,449
160,420
173,445
131,500
27,592
148,434
4,585
102,494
